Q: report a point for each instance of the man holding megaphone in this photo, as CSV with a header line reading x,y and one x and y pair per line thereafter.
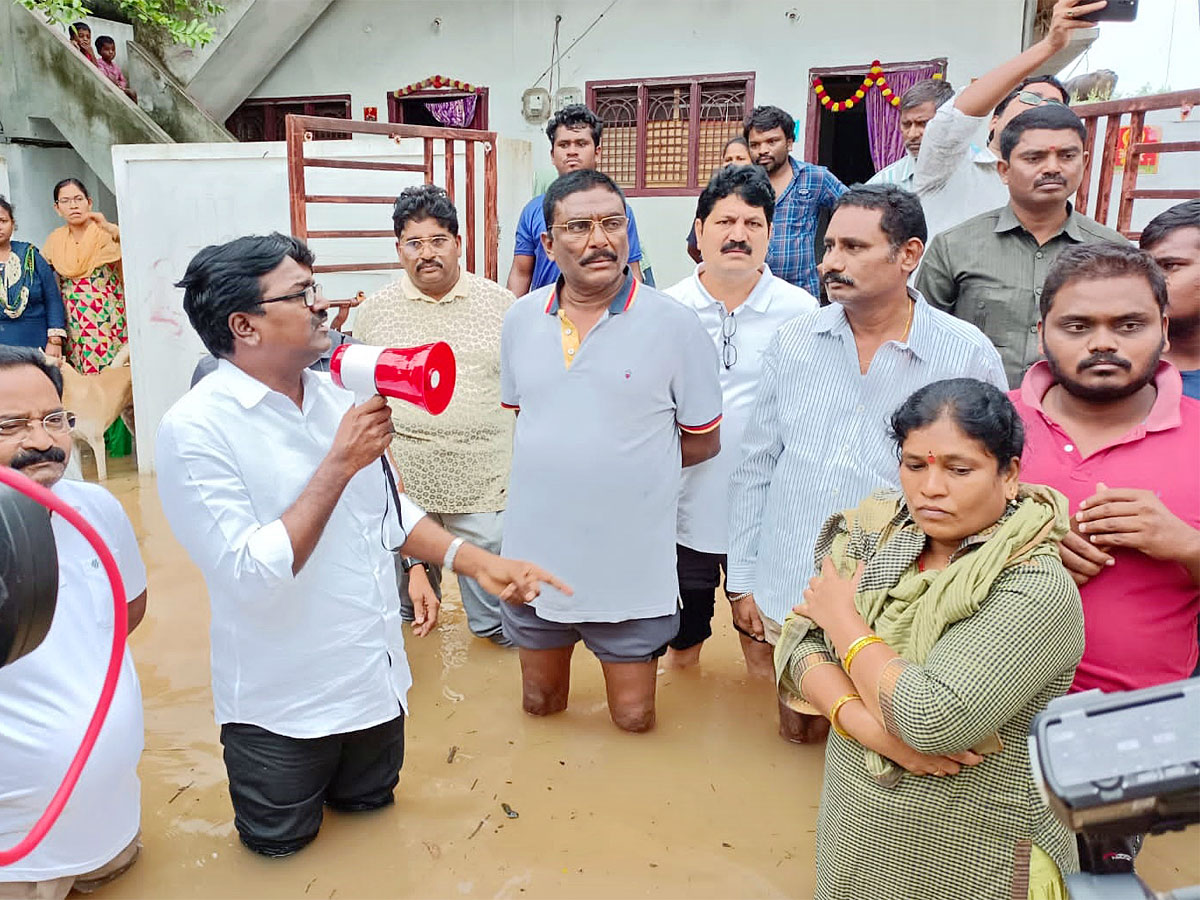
x,y
270,478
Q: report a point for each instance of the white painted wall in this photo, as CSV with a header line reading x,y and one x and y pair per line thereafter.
x,y
178,198
505,44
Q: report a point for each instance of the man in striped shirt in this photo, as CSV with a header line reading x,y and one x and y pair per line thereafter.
x,y
917,106
817,440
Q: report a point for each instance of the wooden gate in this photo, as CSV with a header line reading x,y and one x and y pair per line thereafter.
x,y
1113,113
300,199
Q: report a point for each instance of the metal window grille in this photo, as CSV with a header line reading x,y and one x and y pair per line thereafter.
x,y
665,136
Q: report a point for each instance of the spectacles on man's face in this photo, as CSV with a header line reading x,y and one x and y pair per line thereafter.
x,y
56,423
580,229
439,243
1029,98
309,294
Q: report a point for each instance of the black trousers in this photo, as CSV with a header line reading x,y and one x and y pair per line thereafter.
x,y
279,785
699,574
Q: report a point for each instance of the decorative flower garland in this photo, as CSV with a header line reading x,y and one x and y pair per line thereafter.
x,y
436,81
874,79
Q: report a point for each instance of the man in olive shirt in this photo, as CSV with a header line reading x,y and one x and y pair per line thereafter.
x,y
989,269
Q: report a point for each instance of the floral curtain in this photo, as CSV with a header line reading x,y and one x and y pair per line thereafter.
x,y
883,119
454,113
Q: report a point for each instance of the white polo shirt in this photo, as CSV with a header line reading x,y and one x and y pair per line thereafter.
x,y
47,699
306,655
596,464
704,498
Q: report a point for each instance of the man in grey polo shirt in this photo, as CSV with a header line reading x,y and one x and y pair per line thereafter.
x,y
616,387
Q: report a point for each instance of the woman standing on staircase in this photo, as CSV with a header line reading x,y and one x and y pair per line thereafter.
x,y
32,314
86,253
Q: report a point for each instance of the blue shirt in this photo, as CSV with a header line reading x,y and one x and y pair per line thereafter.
x,y
792,255
529,242
817,441
1191,383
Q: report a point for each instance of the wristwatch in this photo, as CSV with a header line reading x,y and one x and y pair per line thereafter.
x,y
408,562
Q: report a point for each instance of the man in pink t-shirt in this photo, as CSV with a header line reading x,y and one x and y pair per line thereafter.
x,y
1108,425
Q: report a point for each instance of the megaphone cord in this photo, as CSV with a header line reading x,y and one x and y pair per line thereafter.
x,y
394,492
51,501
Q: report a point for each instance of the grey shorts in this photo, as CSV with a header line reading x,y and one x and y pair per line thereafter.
x,y
635,640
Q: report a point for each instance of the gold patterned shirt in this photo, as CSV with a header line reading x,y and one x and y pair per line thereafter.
x,y
457,462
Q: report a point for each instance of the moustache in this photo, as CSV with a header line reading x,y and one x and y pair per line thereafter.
x,y
736,245
27,458
597,256
837,278
429,264
1101,359
1049,179
319,318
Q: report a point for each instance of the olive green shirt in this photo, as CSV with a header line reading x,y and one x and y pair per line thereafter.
x,y
989,271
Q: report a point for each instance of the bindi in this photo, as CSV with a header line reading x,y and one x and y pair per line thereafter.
x,y
930,458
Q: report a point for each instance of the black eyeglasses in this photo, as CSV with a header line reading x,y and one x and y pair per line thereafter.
x,y
728,350
309,294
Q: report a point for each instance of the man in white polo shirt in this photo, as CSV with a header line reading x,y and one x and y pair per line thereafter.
x,y
48,696
616,387
741,305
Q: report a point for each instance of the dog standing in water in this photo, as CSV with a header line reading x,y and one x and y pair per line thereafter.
x,y
98,401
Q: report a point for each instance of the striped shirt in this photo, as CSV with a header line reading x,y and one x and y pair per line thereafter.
x,y
792,254
817,441
902,173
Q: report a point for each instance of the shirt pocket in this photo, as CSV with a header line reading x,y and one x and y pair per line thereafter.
x,y
92,585
993,311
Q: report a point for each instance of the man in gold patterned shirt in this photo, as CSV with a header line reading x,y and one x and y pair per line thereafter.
x,y
455,465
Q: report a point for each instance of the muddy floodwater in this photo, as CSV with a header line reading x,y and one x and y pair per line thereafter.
x,y
711,804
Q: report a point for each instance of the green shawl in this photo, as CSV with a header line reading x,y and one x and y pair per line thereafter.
x,y
916,610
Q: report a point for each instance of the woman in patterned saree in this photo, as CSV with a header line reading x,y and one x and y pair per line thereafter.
x,y
32,313
86,253
940,622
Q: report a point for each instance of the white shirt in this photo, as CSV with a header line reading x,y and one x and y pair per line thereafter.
x,y
306,655
47,699
596,457
955,179
704,495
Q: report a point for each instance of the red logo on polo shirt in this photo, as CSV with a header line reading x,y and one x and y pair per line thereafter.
x,y
628,374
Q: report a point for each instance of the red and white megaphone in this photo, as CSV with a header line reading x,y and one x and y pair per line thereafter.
x,y
422,376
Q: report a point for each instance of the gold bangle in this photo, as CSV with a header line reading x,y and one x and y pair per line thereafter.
x,y
865,641
837,708
804,674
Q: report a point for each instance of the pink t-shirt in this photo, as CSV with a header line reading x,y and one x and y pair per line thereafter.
x,y
1140,614
113,71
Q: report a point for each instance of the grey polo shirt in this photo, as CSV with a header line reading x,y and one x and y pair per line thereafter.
x,y
596,461
989,271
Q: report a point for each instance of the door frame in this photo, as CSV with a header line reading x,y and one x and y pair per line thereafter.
x,y
436,95
812,121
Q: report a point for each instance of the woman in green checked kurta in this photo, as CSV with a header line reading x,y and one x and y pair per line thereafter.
x,y
940,623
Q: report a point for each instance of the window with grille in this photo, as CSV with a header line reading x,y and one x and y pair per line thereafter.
x,y
664,136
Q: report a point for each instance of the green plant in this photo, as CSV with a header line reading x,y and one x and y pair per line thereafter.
x,y
185,21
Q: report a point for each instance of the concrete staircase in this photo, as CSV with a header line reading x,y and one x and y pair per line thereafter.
x,y
46,78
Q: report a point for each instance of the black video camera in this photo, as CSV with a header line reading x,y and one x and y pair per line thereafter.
x,y
28,574
1121,764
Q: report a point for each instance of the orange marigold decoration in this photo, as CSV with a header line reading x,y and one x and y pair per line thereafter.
x,y
874,79
434,81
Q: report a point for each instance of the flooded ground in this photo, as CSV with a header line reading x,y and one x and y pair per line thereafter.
x,y
712,804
